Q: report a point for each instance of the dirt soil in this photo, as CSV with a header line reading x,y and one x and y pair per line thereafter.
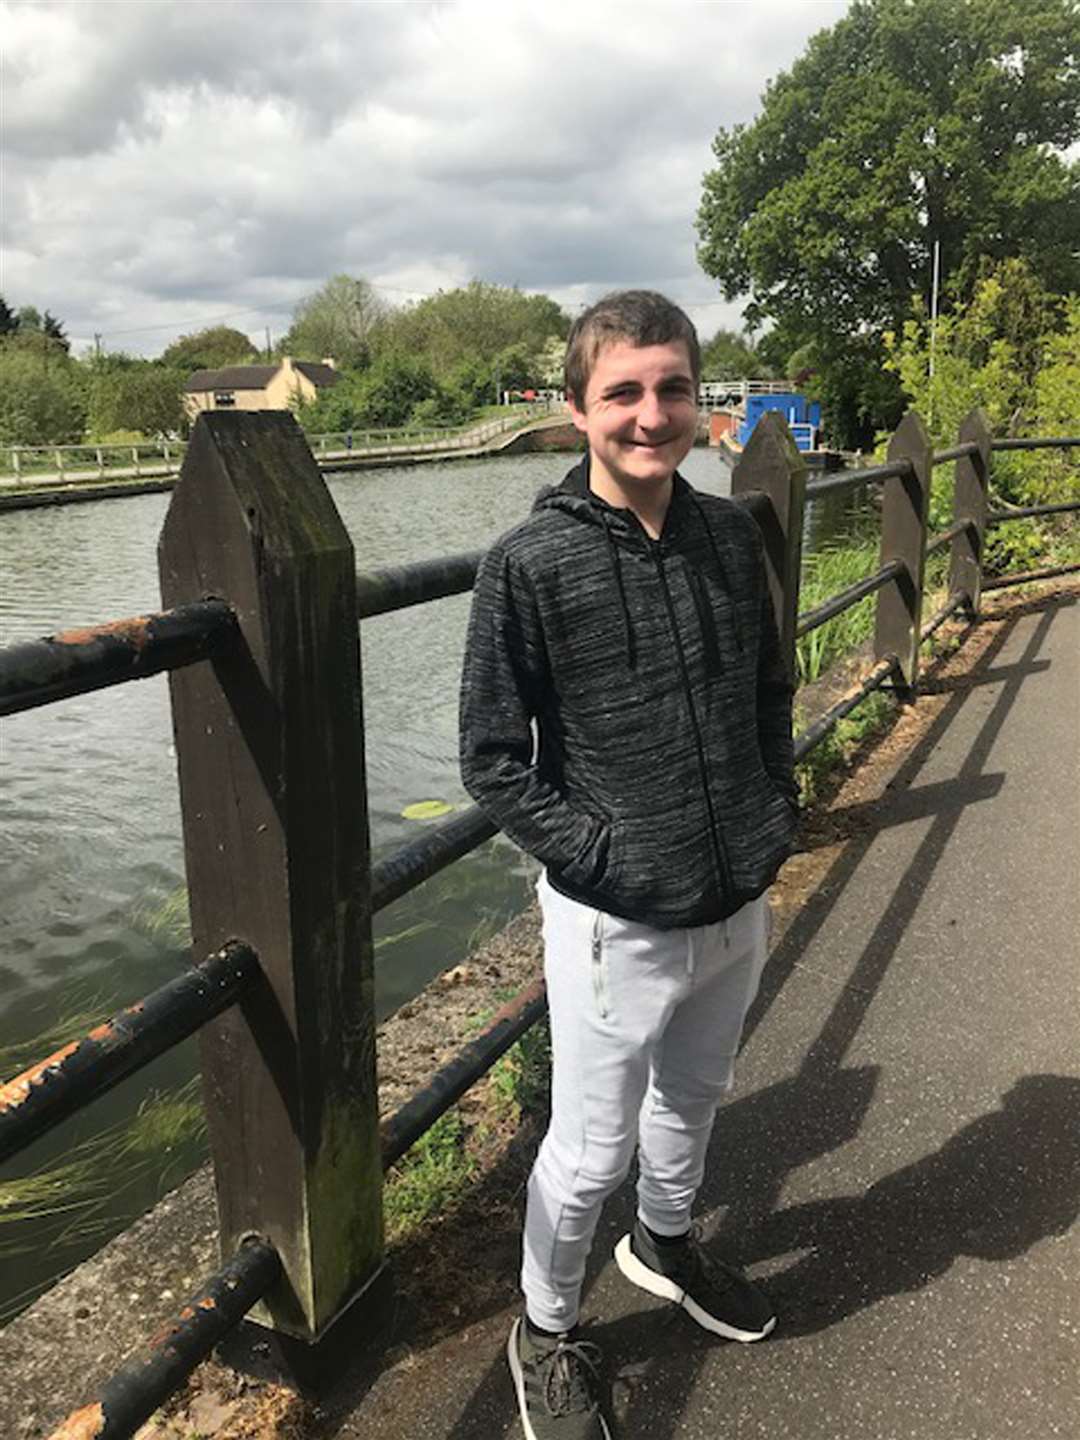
x,y
468,1256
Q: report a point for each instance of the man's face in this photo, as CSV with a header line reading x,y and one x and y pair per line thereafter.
x,y
639,415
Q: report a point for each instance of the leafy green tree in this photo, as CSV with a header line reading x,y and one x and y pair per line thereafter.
x,y
909,122
728,356
210,349
474,322
337,321
9,321
54,329
381,397
393,386
1052,409
518,367
125,393
1025,378
42,397
474,380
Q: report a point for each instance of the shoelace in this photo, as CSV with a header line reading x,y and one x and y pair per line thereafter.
x,y
697,1262
572,1369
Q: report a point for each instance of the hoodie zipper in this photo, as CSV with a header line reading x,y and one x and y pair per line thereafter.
x,y
720,855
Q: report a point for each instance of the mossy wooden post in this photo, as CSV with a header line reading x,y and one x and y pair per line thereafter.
x,y
771,465
271,766
904,510
969,503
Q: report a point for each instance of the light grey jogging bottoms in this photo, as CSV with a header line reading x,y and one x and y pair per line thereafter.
x,y
645,1025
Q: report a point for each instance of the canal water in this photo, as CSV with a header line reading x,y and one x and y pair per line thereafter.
x,y
91,868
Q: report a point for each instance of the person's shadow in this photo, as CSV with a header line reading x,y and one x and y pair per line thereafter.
x,y
997,1187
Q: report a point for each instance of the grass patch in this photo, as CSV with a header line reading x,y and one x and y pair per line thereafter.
x,y
521,1080
429,1178
77,1201
843,744
824,574
167,921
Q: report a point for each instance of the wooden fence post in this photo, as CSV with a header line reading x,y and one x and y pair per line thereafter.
x,y
771,464
969,503
905,505
271,765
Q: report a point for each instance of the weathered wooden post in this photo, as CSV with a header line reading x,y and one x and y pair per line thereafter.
x,y
905,505
271,767
771,464
969,503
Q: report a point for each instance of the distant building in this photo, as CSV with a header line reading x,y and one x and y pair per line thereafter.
x,y
258,387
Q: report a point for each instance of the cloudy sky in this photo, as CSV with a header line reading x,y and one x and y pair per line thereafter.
x,y
172,165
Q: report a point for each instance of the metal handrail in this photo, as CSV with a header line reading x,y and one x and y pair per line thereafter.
x,y
846,598
1045,442
49,1091
958,452
945,537
397,586
853,479
1028,512
75,662
412,864
133,1393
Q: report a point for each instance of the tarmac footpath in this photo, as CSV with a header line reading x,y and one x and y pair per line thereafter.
x,y
900,1161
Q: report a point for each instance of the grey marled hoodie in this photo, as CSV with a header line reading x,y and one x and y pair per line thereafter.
x,y
659,786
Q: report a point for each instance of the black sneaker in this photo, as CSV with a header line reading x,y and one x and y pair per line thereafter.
x,y
557,1383
717,1296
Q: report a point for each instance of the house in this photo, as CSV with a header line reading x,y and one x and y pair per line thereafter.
x,y
258,387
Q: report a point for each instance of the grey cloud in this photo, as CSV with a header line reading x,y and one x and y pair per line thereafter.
x,y
182,160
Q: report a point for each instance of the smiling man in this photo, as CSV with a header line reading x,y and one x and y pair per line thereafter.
x,y
626,718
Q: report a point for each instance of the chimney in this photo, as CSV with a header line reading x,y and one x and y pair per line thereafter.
x,y
329,360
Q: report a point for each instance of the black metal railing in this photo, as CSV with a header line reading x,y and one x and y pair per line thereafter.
x,y
769,481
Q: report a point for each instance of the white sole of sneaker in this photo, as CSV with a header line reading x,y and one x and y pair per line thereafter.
x,y
659,1285
519,1384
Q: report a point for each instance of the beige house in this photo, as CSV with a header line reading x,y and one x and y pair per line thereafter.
x,y
257,387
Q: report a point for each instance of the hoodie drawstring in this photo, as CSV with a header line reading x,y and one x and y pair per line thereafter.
x,y
735,629
616,570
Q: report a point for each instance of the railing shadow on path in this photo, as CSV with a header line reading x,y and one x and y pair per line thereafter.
x,y
998,1186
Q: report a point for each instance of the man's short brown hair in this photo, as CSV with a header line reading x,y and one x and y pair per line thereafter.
x,y
642,317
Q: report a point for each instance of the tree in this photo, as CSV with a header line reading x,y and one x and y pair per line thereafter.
x,y
1015,352
336,322
30,321
209,349
728,356
54,329
126,393
908,123
474,322
42,399
384,396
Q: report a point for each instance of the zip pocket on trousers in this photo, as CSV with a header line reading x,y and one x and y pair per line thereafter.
x,y
599,974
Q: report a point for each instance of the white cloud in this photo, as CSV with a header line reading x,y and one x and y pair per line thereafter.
x,y
169,163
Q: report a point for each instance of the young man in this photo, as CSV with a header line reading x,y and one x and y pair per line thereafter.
x,y
626,718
